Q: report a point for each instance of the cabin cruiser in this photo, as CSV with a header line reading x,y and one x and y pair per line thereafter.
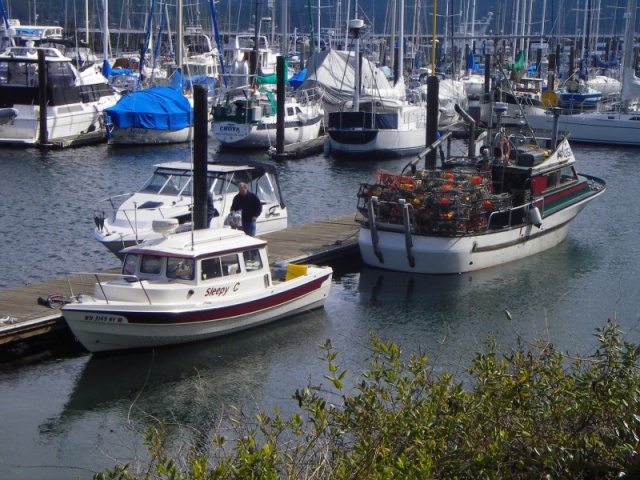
x,y
68,100
189,286
127,219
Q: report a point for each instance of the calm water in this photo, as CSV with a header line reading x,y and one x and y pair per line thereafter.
x,y
72,416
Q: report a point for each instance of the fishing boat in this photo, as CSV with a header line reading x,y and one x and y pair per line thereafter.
x,y
67,101
516,199
189,286
127,219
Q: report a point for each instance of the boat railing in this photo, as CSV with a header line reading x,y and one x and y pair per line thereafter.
x,y
81,280
130,215
509,217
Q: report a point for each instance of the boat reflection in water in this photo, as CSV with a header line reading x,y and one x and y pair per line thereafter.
x,y
191,384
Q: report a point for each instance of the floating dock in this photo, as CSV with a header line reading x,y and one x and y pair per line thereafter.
x,y
23,317
300,149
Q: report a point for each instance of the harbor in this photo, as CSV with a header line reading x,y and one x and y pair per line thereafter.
x,y
55,403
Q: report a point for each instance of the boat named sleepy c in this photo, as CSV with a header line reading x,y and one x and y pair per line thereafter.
x,y
190,286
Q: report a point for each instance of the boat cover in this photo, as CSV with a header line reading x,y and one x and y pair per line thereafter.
x,y
156,108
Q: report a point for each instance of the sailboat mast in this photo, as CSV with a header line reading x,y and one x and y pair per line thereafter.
x,y
105,31
179,33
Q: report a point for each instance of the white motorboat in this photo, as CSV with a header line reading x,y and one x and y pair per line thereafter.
x,y
517,200
69,101
190,286
127,219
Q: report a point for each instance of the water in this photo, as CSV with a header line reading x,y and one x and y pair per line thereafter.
x,y
74,415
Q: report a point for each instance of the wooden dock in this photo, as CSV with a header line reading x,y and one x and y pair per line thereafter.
x,y
300,149
23,318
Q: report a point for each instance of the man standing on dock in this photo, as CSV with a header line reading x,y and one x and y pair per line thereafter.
x,y
251,208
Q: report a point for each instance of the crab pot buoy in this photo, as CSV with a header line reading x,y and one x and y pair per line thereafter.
x,y
534,216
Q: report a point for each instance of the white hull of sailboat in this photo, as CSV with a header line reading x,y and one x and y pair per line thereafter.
x,y
607,128
263,135
147,136
384,143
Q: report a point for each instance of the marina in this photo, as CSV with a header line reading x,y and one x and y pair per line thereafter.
x,y
66,411
443,259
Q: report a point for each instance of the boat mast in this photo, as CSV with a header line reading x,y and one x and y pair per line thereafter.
x,y
105,31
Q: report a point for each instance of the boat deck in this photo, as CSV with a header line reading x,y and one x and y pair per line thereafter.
x,y
322,242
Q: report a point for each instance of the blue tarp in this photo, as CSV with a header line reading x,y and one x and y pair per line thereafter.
x,y
156,108
298,78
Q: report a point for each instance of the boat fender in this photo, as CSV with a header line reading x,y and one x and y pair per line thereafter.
x,y
534,216
326,147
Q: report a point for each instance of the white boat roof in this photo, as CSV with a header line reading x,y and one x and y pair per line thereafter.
x,y
198,243
211,167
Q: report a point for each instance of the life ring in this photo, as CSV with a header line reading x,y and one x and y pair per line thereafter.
x,y
505,147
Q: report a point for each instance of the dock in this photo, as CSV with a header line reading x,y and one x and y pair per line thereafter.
x,y
300,149
24,318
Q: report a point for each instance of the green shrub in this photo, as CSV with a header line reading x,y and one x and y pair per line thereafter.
x,y
531,413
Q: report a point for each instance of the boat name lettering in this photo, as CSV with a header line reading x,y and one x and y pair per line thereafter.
x,y
229,128
104,318
236,287
216,291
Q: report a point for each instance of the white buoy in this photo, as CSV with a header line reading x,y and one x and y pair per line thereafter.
x,y
534,216
165,226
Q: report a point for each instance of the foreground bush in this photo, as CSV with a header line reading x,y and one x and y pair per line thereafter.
x,y
532,413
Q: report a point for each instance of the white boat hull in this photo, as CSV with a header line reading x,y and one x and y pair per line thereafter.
x,y
607,128
386,143
459,254
263,135
147,136
67,125
107,327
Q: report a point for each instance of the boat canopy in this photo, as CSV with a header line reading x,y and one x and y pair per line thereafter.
x,y
156,108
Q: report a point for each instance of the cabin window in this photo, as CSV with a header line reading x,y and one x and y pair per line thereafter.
x,y
130,265
290,111
252,260
181,268
568,175
552,180
211,268
151,264
230,264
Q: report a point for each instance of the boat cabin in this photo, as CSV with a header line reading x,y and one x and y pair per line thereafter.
x,y
206,268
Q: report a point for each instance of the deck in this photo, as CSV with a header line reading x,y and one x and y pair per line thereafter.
x,y
323,242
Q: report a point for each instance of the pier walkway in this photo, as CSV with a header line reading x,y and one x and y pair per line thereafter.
x,y
322,242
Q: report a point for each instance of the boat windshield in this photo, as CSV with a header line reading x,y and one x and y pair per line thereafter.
x,y
166,182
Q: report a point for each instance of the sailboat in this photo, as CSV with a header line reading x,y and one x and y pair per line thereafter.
x,y
379,124
245,114
156,115
612,128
